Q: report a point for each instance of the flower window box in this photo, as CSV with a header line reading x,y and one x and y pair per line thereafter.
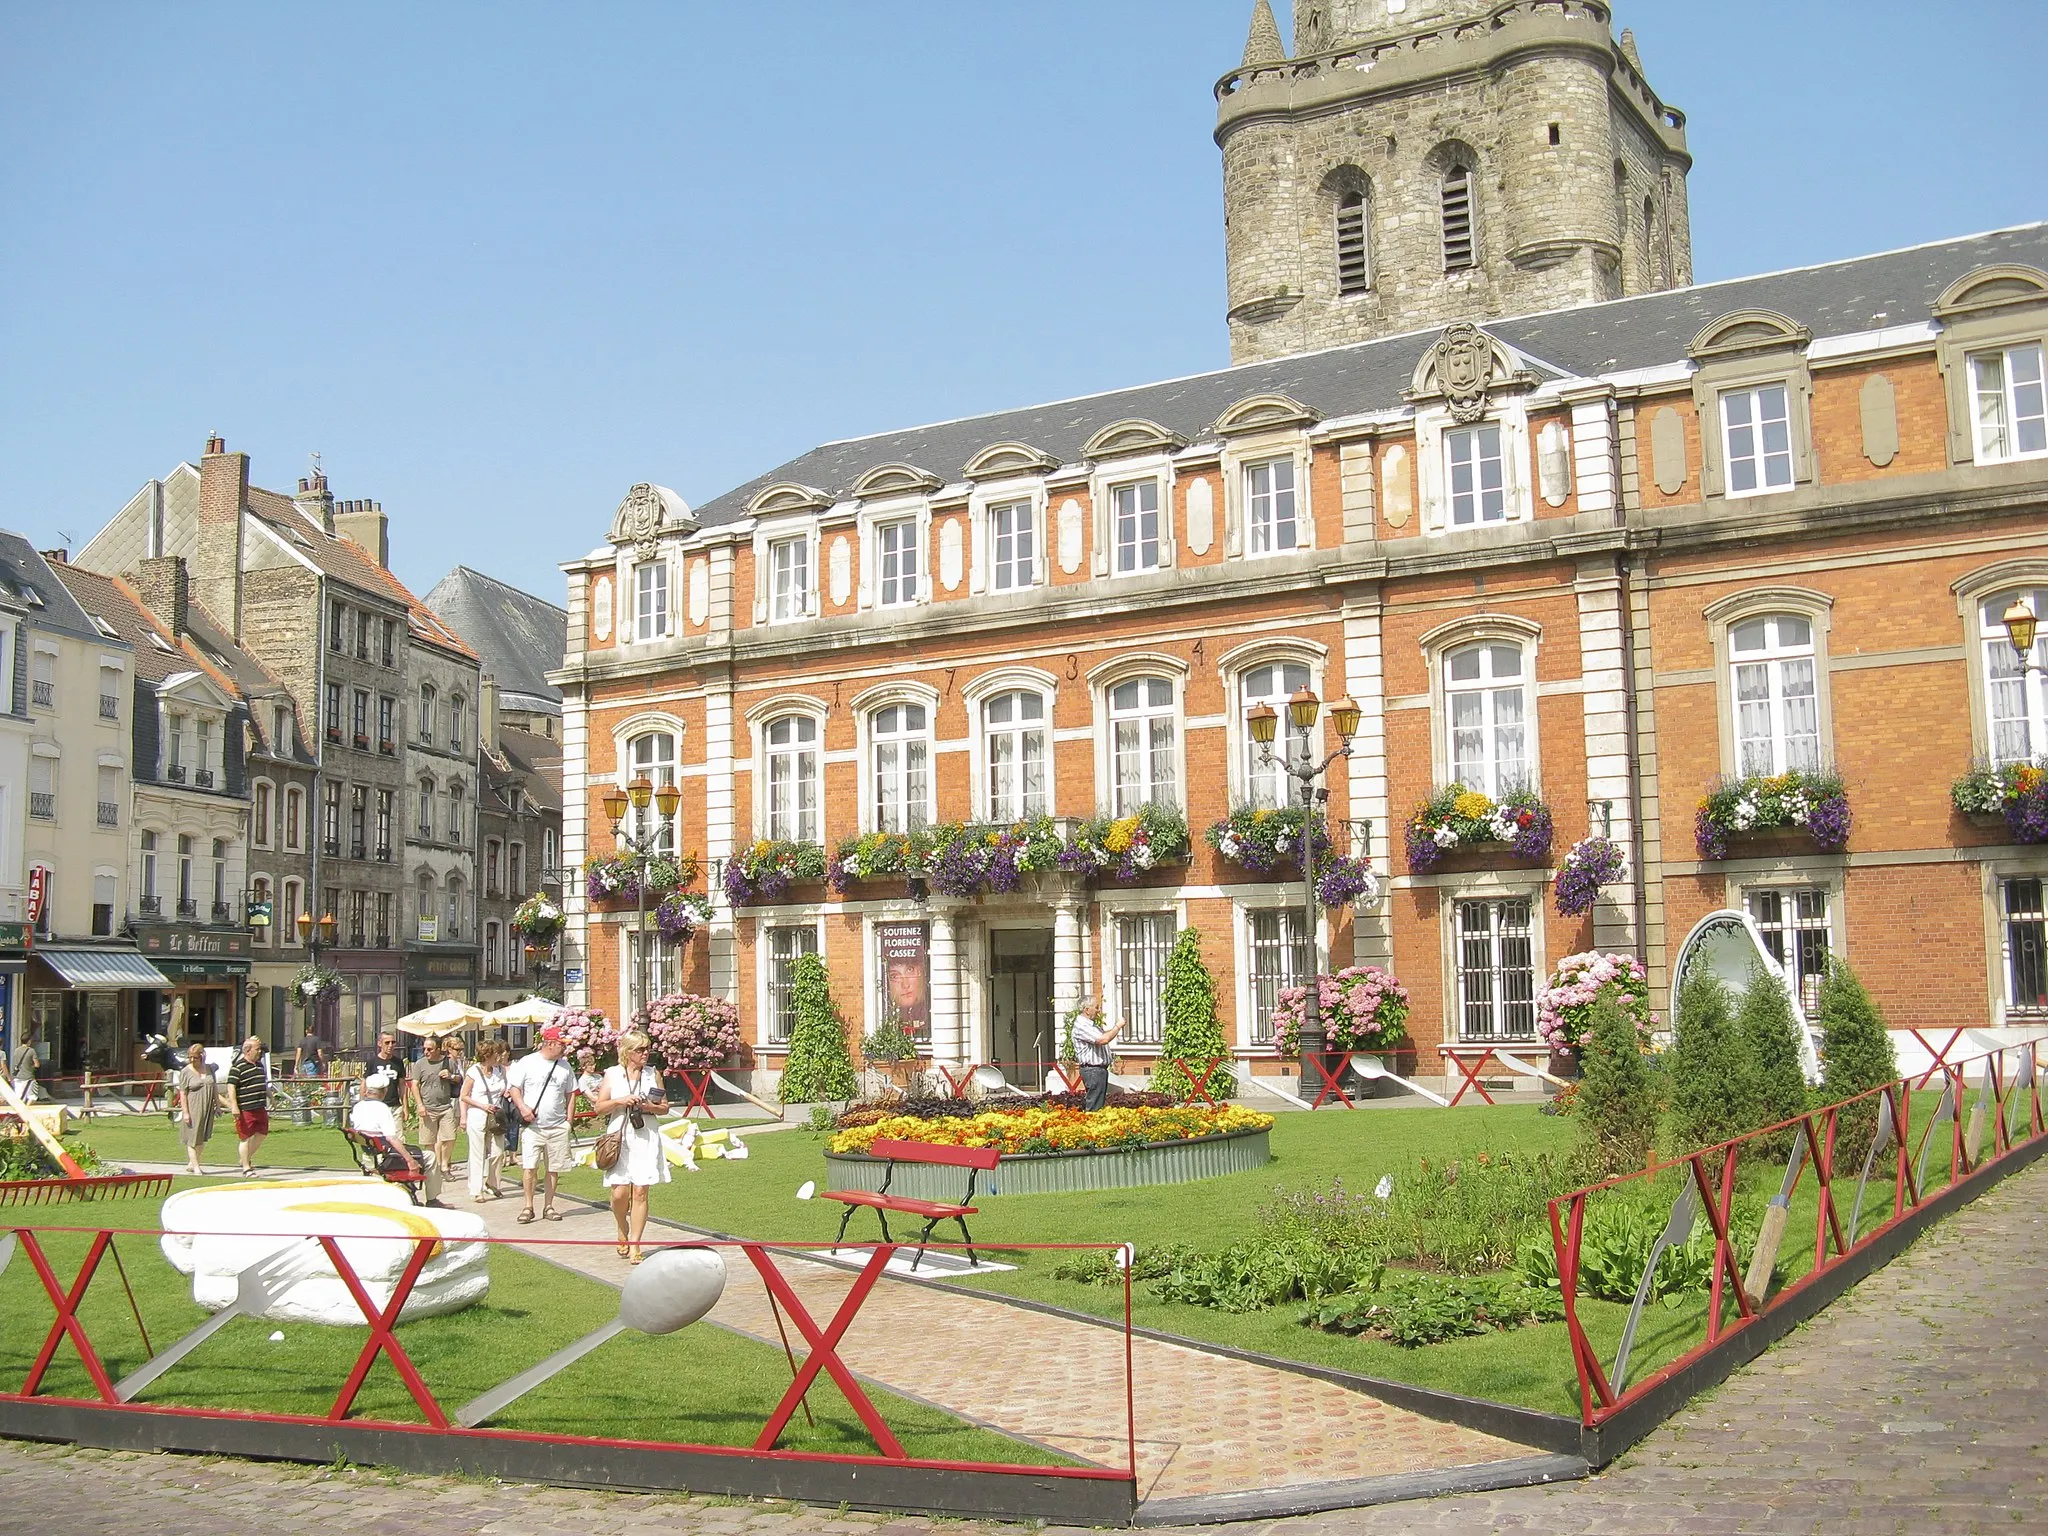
x,y
2013,799
761,873
1459,828
1768,813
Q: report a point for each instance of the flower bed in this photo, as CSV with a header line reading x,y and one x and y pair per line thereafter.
x,y
763,871
1456,818
1564,1007
2017,791
1128,847
1043,1128
1588,865
1362,1008
1818,802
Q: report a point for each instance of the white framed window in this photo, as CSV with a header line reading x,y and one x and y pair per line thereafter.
x,y
286,919
1486,700
259,815
1777,712
151,902
294,817
455,910
426,808
662,968
1012,546
2015,695
1475,475
1496,970
650,600
900,768
1796,929
2010,409
1270,508
455,723
791,746
896,556
2025,920
1756,439
427,697
789,578
1276,957
1143,940
261,933
784,945
652,756
1142,744
42,788
1134,526
1014,749
1268,783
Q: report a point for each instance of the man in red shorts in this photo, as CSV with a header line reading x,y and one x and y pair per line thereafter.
x,y
249,1085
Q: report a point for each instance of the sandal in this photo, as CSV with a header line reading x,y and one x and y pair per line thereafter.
x,y
623,1250
551,1214
525,1217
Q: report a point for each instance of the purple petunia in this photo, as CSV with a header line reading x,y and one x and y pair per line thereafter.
x,y
1828,821
2027,815
1587,867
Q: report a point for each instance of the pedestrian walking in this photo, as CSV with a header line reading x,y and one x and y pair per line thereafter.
x,y
382,1063
483,1106
1091,1049
311,1060
631,1094
23,1065
249,1099
198,1098
430,1088
540,1085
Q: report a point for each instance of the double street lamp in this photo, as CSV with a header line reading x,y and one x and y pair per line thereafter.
x,y
641,850
1264,721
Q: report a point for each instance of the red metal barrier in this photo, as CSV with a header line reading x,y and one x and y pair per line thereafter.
x,y
2007,1079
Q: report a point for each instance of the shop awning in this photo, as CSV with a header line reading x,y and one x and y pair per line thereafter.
x,y
99,968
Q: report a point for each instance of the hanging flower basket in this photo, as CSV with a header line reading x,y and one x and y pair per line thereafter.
x,y
1126,848
313,984
1815,803
761,873
681,915
2018,792
538,917
1459,819
1588,865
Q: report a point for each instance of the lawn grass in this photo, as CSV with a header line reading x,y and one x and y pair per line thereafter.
x,y
703,1385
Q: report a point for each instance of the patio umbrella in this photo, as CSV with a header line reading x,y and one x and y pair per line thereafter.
x,y
442,1018
530,1010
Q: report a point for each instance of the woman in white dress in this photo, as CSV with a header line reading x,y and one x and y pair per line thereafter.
x,y
631,1098
483,1094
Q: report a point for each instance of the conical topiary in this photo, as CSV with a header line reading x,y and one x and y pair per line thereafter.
x,y
1769,1037
1193,1033
1709,1087
1616,1104
1855,1056
820,1067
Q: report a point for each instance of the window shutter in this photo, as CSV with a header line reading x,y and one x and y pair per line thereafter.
x,y
1457,218
1354,256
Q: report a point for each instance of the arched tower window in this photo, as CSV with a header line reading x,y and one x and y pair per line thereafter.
x,y
1457,218
1354,242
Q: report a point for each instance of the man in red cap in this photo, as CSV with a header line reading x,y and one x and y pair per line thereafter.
x,y
540,1086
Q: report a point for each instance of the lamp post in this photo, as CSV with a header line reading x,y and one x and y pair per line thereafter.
x,y
640,850
1264,722
2021,624
315,936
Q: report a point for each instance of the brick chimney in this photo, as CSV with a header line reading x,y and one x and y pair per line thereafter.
x,y
165,587
362,523
223,498
487,715
315,501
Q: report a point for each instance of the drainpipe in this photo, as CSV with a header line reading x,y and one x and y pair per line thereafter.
x,y
1627,567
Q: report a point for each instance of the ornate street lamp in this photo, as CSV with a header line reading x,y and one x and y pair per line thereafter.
x,y
2021,624
640,850
1264,721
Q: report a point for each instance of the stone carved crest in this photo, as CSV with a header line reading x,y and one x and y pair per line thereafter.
x,y
1463,363
640,515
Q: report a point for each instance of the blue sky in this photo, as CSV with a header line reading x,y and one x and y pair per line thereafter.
x,y
498,262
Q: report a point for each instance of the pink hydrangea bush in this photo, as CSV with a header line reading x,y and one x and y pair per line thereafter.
x,y
1362,1007
1565,1005
588,1029
691,1033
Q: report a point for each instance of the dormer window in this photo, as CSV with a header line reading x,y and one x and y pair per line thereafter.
x,y
1756,431
1012,543
1269,506
650,600
1134,515
896,550
1473,472
2011,413
789,576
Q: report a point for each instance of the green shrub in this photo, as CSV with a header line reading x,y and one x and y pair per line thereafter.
x,y
1192,1032
1617,1101
24,1157
1621,1227
1710,1094
1769,1037
819,1065
1471,1214
1414,1310
1855,1056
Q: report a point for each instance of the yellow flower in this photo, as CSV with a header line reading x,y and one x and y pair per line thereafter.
x,y
1472,805
1118,838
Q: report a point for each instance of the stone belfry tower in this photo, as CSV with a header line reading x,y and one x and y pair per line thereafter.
x,y
1422,161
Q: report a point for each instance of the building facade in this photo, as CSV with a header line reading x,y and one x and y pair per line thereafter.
x,y
1617,567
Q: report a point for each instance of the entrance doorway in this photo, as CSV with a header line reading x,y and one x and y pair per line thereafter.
x,y
1020,1021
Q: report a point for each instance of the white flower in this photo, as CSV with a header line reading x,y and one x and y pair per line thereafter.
x,y
1227,846
1385,1187
1446,838
1141,855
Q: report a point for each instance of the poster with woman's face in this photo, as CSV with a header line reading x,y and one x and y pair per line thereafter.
x,y
905,953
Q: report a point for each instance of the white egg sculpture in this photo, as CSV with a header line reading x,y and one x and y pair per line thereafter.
x,y
672,1289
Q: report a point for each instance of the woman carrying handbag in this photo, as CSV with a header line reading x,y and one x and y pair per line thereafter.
x,y
630,1150
483,1103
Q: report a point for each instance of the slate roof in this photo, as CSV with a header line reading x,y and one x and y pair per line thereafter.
x,y
28,576
159,655
1865,293
520,637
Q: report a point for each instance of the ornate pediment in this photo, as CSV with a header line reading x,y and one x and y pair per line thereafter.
x,y
787,497
1990,288
1002,461
648,512
1123,439
1749,330
1463,369
1264,413
895,480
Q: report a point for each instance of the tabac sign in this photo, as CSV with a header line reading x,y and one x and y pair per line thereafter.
x,y
192,943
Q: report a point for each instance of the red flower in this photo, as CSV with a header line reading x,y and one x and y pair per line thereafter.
x,y
1523,818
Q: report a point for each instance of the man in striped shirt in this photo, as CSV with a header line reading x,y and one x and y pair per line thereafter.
x,y
249,1090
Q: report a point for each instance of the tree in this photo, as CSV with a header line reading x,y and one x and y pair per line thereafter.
x,y
1193,1033
1616,1103
1769,1037
819,1066
1855,1056
1709,1076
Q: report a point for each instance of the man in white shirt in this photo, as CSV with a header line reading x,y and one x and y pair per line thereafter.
x,y
371,1116
539,1086
1091,1049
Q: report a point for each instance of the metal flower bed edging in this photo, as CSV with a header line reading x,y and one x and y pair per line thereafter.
x,y
1048,1173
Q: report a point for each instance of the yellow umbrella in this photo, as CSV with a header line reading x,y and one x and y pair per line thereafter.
x,y
442,1018
529,1010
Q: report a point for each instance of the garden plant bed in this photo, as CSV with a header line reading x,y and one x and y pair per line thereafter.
x,y
1043,1173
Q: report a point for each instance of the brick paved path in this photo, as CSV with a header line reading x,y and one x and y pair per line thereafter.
x,y
1915,1404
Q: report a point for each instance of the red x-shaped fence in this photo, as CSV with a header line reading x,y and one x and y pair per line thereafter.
x,y
1332,1086
1198,1082
698,1086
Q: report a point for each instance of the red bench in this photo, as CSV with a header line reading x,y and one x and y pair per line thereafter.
x,y
378,1158
975,1160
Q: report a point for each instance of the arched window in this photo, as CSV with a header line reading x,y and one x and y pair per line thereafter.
x,y
1777,712
1486,696
426,711
652,756
1267,784
1015,752
455,823
151,901
187,905
455,723
425,908
901,768
1456,204
791,744
1354,242
454,909
259,824
1141,728
259,896
426,807
2016,697
294,816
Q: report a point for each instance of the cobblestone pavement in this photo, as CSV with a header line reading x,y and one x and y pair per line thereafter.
x,y
1915,1404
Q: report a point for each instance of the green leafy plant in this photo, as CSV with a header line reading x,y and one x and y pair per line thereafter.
x,y
1856,1055
819,1065
1769,1040
1470,1214
24,1157
1126,847
1710,1091
1617,1102
891,1041
1416,1310
1192,1031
